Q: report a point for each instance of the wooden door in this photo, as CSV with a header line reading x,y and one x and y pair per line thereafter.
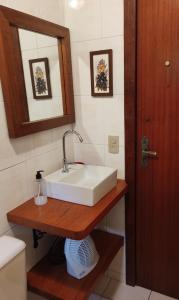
x,y
157,211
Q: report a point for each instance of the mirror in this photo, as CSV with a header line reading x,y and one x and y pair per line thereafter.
x,y
36,73
40,59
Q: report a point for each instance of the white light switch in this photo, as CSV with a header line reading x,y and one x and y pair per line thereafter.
x,y
113,144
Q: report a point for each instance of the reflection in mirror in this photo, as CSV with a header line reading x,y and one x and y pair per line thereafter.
x,y
40,58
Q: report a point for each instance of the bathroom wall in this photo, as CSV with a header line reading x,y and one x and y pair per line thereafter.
x,y
20,158
98,25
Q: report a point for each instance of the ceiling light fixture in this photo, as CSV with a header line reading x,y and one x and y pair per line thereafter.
x,y
76,4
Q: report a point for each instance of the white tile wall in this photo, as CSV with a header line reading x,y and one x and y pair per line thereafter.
x,y
20,158
45,41
12,151
27,39
97,25
15,178
116,219
89,153
81,68
112,23
52,11
29,7
97,118
83,22
116,269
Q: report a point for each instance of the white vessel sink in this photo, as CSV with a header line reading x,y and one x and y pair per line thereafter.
x,y
83,184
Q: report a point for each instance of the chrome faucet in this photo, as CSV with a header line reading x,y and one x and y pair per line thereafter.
x,y
65,162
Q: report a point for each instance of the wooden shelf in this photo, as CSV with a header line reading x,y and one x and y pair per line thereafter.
x,y
53,282
64,218
74,221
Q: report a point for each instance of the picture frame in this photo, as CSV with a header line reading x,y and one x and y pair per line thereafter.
x,y
40,78
101,69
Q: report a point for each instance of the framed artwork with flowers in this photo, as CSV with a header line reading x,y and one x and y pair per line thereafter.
x,y
40,78
101,67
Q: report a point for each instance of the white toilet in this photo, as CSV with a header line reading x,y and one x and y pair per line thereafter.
x,y
13,284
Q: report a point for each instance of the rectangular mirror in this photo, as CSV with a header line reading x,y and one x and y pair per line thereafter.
x,y
36,73
42,76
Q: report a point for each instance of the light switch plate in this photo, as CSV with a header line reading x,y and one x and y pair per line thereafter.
x,y
113,144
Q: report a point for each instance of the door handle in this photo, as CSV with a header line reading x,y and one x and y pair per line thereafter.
x,y
146,153
149,153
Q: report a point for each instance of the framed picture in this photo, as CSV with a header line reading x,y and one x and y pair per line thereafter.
x,y
40,78
101,73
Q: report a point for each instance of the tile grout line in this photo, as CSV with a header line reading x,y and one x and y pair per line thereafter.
x,y
97,144
97,39
12,166
27,159
106,288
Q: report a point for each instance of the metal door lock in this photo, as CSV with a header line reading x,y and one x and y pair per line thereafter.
x,y
146,153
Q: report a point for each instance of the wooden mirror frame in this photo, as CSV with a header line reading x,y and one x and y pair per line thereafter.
x,y
12,74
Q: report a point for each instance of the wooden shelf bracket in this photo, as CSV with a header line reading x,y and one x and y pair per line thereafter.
x,y
37,235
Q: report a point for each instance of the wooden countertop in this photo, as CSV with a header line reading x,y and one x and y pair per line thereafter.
x,y
63,218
